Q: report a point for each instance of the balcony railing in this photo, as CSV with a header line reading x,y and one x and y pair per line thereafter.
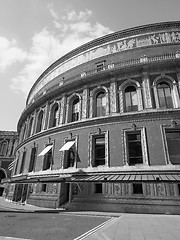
x,y
108,68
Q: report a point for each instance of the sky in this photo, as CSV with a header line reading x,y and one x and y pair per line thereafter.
x,y
35,33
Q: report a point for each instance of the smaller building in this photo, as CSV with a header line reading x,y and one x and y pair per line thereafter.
x,y
8,143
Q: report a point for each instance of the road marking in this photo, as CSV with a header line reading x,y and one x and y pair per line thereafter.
x,y
86,234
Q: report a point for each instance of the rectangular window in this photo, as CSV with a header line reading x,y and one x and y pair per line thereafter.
x,y
48,160
44,187
100,66
98,188
173,144
134,148
23,162
99,150
32,159
70,153
137,188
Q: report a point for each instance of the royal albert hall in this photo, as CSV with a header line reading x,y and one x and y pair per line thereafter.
x,y
101,126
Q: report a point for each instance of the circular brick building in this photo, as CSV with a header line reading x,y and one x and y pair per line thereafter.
x,y
101,127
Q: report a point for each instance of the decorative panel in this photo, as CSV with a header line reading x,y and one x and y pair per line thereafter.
x,y
113,97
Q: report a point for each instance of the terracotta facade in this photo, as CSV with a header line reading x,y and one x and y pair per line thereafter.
x,y
112,105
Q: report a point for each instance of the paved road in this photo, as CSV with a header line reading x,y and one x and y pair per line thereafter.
x,y
42,226
30,222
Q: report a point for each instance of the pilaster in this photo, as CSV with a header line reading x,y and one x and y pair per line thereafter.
x,y
85,103
113,96
63,110
147,91
46,116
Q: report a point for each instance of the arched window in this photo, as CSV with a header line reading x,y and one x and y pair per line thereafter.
x,y
30,128
131,99
101,104
75,110
39,122
54,116
164,95
3,148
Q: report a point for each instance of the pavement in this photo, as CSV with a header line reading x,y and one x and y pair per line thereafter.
x,y
6,205
119,226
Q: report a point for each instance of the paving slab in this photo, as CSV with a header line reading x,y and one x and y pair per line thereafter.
x,y
139,227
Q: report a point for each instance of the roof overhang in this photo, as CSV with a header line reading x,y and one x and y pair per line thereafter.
x,y
98,177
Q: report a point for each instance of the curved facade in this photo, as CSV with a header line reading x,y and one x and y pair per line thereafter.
x,y
101,127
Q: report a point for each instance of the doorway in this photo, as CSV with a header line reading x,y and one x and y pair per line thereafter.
x,y
64,193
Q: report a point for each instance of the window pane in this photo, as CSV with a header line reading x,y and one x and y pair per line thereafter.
x,y
99,151
134,98
71,157
128,101
173,142
3,149
137,188
161,95
23,162
101,104
75,110
131,101
47,160
168,97
98,188
32,159
135,148
30,127
55,117
39,123
164,95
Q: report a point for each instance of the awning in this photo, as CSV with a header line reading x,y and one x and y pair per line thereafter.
x,y
49,178
67,146
99,177
45,150
126,178
11,165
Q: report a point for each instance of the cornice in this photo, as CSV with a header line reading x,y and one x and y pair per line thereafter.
x,y
108,38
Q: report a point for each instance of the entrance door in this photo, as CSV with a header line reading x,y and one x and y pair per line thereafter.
x,y
24,193
18,192
64,193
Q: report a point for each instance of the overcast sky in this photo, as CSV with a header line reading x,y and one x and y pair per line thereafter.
x,y
35,33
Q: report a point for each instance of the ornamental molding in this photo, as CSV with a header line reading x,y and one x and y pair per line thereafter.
x,y
103,49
